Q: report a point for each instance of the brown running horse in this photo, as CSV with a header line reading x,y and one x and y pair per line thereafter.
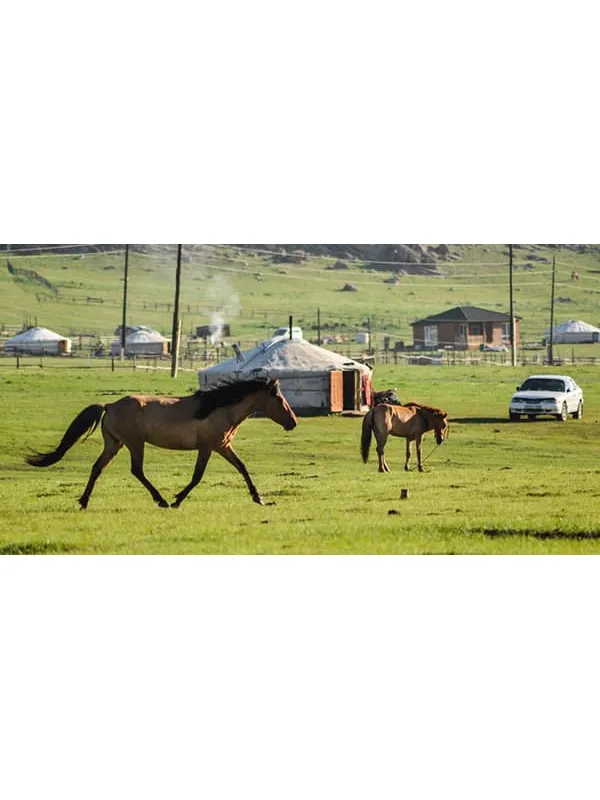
x,y
204,421
410,421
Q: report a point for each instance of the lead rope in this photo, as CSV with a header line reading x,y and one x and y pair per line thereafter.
x,y
435,448
431,453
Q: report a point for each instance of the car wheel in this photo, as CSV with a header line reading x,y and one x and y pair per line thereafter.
x,y
514,417
564,414
579,413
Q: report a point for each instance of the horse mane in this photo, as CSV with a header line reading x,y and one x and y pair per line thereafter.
x,y
227,394
421,407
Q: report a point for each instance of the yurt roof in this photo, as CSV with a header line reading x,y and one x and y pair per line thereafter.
x,y
36,335
144,336
575,326
286,356
131,329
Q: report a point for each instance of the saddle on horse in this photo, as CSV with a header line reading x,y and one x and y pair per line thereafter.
x,y
388,396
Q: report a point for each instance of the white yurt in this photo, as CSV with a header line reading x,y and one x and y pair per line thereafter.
x,y
38,341
574,331
142,342
313,380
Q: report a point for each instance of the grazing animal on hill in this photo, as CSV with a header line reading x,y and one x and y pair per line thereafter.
x,y
204,421
410,421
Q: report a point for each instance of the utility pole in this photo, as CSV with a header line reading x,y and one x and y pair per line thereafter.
x,y
175,330
319,326
551,342
124,317
513,344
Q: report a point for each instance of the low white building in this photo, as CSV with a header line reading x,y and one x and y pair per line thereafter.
x,y
38,341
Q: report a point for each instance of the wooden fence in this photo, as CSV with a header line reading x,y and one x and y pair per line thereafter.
x,y
194,361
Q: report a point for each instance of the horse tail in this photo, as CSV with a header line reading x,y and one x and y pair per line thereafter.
x,y
85,422
365,439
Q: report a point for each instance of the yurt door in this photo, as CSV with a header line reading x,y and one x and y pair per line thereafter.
x,y
336,391
351,390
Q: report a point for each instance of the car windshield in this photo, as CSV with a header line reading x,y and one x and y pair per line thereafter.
x,y
543,385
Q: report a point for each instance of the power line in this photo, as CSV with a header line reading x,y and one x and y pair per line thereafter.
x,y
50,252
356,260
404,281
451,266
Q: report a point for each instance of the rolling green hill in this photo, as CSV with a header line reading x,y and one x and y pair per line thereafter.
x,y
254,288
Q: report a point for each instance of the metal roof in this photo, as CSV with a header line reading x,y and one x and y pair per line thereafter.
x,y
466,314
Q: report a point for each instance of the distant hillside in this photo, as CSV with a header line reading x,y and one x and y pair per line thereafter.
x,y
72,249
399,253
255,288
383,253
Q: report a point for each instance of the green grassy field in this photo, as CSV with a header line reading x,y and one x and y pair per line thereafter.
x,y
256,295
494,487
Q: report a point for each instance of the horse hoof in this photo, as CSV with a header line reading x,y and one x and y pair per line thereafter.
x,y
163,504
175,504
258,500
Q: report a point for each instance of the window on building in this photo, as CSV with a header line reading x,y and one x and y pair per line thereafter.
x,y
431,336
475,329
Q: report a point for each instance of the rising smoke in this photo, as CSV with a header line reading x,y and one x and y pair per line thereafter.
x,y
222,304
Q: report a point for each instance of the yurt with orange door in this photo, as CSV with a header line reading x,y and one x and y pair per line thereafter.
x,y
38,341
314,380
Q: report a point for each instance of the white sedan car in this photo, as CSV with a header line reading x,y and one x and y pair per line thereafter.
x,y
556,395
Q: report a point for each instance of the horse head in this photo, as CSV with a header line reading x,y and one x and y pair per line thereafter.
x,y
436,420
440,426
276,407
